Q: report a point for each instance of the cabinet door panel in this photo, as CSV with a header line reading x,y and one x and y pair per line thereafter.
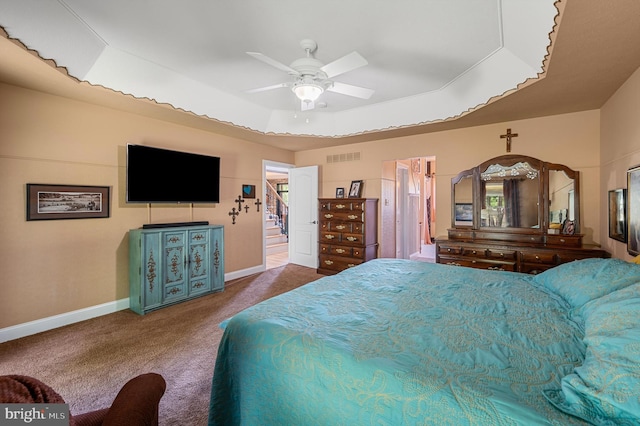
x,y
151,274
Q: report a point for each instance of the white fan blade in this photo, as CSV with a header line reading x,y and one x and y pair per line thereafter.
x,y
349,90
263,89
307,105
345,64
273,62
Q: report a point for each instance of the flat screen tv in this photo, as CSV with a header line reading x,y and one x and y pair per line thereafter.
x,y
157,175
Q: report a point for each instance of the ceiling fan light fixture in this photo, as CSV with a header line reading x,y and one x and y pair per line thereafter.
x,y
307,92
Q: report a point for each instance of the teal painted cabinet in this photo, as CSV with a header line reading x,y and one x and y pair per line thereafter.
x,y
170,265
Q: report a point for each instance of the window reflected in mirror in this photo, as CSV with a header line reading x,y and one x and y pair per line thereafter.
x,y
463,201
509,196
561,200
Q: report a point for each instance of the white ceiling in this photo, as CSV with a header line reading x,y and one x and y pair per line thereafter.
x,y
428,60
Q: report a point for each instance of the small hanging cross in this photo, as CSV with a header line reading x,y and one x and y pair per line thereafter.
x,y
233,213
258,203
508,136
239,200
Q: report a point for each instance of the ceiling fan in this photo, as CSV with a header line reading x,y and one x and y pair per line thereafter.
x,y
312,77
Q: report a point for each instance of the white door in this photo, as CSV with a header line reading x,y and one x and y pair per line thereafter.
x,y
303,216
402,195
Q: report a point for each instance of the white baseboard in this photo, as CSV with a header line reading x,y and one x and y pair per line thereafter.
x,y
244,272
49,323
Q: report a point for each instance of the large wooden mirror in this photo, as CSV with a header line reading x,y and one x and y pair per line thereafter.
x,y
462,196
514,193
510,194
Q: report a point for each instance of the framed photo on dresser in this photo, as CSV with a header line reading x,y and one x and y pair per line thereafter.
x,y
356,189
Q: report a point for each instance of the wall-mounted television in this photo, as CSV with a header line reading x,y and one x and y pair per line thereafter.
x,y
158,175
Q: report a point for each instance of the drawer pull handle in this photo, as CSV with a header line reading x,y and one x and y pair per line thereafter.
x,y
328,215
328,262
562,240
351,265
352,216
330,237
449,250
495,268
537,257
454,264
340,227
533,238
340,251
356,252
474,252
340,206
352,239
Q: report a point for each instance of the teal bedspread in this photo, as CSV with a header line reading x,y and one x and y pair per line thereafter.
x,y
394,342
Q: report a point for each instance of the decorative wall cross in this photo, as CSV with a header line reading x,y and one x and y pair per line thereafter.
x,y
246,208
508,136
233,213
239,200
258,203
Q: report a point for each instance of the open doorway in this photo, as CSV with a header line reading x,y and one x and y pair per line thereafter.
x,y
276,214
408,212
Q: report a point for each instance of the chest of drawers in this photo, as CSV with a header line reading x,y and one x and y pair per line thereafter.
x,y
348,232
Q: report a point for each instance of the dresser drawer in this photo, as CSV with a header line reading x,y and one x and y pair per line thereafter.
x,y
337,263
330,237
336,250
449,249
353,238
337,226
494,253
564,240
342,205
474,252
342,216
478,263
539,257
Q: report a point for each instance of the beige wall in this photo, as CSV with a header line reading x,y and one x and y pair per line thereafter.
x,y
620,150
571,139
54,267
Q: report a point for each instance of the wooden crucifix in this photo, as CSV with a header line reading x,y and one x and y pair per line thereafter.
x,y
508,136
239,200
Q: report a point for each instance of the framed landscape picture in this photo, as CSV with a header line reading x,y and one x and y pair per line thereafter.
x,y
633,211
617,215
50,202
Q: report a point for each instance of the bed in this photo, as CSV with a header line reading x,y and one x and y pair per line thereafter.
x,y
396,342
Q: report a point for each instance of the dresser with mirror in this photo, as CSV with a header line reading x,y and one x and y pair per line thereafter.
x,y
515,213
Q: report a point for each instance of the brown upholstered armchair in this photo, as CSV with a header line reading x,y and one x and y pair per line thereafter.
x,y
135,405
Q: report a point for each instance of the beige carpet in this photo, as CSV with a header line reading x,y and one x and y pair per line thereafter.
x,y
88,362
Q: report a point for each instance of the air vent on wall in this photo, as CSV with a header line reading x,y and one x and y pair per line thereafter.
x,y
339,158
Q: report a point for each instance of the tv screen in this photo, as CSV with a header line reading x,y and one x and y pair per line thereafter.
x,y
156,175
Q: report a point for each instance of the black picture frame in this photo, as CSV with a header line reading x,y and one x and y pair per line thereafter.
x,y
355,190
55,202
339,192
618,214
248,191
633,211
